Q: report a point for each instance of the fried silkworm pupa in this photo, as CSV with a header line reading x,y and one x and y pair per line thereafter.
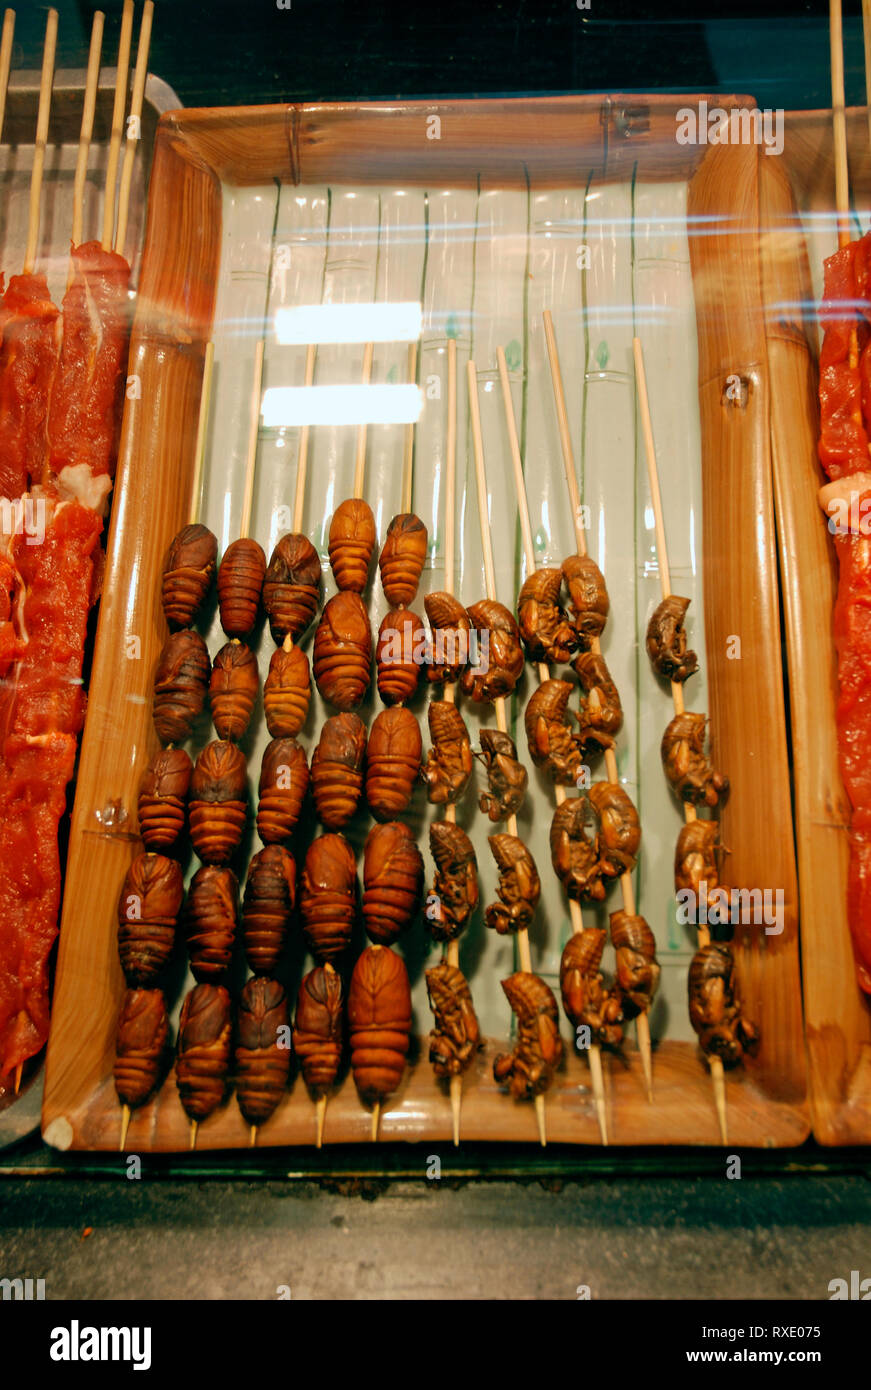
x,y
500,651
392,881
211,919
180,684
240,584
292,587
343,651
519,886
233,689
456,1035
448,766
716,1012
148,909
318,1031
538,1051
399,655
601,715
507,779
337,769
586,999
695,860
588,598
351,543
547,634
552,745
619,829
574,854
219,802
162,796
267,907
284,779
140,1045
392,762
667,640
205,1039
287,692
188,571
402,559
454,895
452,627
637,969
686,767
328,898
262,1051
379,1022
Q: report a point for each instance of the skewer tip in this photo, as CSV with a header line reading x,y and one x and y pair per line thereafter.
x,y
542,1120
19,1071
376,1120
194,1127
595,1057
320,1116
718,1076
646,1052
456,1106
125,1124
253,1139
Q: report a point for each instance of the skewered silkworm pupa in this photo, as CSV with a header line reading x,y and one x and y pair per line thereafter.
x,y
148,909
586,999
287,692
379,1022
392,762
162,795
188,572
392,881
552,745
452,627
501,652
328,898
546,632
638,973
351,543
519,886
454,895
262,1058
267,908
588,598
667,640
399,655
683,756
240,583
343,651
402,559
318,1030
337,769
538,1050
448,766
292,587
211,918
456,1035
284,779
507,779
716,1012
574,854
695,859
218,805
601,715
180,684
233,689
202,1066
140,1046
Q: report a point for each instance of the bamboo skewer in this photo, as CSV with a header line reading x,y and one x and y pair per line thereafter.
x,y
121,73
253,439
202,431
125,1125
134,123
45,84
91,84
302,464
5,60
360,459
408,452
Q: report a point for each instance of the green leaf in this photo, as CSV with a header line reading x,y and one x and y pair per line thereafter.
x,y
513,355
602,355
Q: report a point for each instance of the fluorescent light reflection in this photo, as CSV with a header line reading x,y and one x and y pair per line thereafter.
x,y
341,405
349,323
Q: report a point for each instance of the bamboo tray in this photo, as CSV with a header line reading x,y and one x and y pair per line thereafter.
x,y
510,189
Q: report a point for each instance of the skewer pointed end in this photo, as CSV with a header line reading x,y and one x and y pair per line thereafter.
x,y
646,1053
456,1105
718,1076
542,1120
19,1070
125,1125
598,1081
376,1120
320,1117
194,1127
253,1139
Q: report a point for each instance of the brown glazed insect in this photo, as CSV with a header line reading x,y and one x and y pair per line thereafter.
x,y
588,598
501,652
552,745
211,919
219,802
240,583
667,640
392,881
547,634
267,907
318,1031
716,1012
292,587
586,999
399,655
454,895
637,969
180,684
695,860
140,1045
402,559
519,886
328,897
379,1022
351,542
287,692
262,1053
619,829
284,779
451,626
148,909
601,715
507,779
162,796
574,854
188,571
233,689
692,777
456,1035
205,1035
343,651
448,766
337,769
392,762
538,1050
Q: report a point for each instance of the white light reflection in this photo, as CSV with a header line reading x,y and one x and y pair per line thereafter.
x,y
341,405
349,323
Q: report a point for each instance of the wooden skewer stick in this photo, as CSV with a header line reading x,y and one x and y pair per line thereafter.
x,y
360,460
125,1125
320,1119
134,125
121,72
408,452
376,1120
839,133
5,60
92,82
253,438
202,431
302,465
45,82
194,1128
715,1064
252,1142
